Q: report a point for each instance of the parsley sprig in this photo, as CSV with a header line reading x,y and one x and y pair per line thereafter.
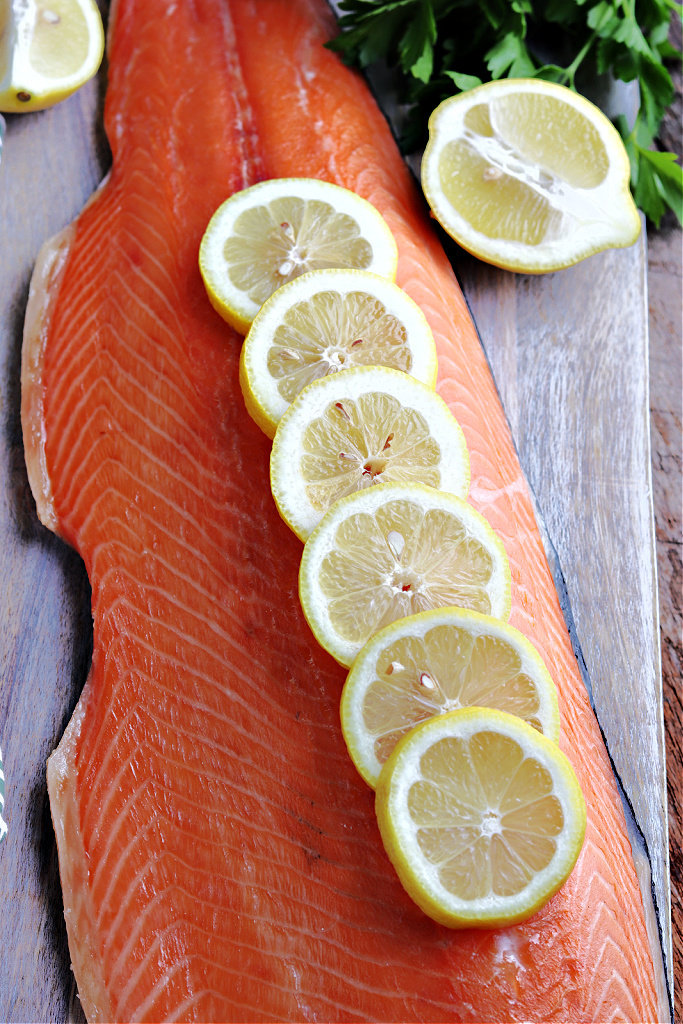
x,y
441,47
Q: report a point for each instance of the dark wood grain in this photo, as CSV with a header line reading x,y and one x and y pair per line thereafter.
x,y
51,162
665,289
665,285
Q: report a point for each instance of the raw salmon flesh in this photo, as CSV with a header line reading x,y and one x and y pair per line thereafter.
x,y
219,854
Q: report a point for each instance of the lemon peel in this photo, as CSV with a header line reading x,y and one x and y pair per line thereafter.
x,y
323,322
528,175
482,817
266,235
435,662
48,50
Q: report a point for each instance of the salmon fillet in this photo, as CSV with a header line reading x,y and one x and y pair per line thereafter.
x,y
219,855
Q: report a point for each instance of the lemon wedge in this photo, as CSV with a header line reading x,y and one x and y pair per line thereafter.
x,y
482,817
48,49
359,428
435,662
324,322
394,550
528,175
273,232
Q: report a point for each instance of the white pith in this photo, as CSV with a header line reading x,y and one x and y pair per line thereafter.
x,y
592,219
418,873
365,670
287,482
323,540
260,337
372,227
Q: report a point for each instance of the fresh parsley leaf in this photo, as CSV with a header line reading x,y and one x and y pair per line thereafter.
x,y
603,19
672,194
495,12
416,48
443,46
656,91
509,53
666,165
667,178
464,82
647,196
656,177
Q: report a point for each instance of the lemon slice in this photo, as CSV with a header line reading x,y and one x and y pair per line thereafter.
x,y
275,231
394,550
528,175
48,49
482,817
435,662
358,428
327,321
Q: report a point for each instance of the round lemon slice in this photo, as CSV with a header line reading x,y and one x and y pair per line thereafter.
x,y
358,428
394,550
435,662
273,232
48,49
324,322
528,175
482,817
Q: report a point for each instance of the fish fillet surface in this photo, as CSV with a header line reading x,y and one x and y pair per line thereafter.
x,y
219,854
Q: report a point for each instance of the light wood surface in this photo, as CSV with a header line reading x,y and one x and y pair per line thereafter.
x,y
569,353
50,164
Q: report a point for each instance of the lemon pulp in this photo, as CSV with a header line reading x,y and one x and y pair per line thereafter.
x,y
399,560
485,815
278,241
508,180
355,444
67,18
358,428
272,233
324,322
431,663
330,332
48,49
528,175
482,817
390,551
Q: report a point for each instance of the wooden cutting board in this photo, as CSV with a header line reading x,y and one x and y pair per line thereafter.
x,y
569,354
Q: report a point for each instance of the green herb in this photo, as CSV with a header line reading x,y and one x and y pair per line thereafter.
x,y
441,47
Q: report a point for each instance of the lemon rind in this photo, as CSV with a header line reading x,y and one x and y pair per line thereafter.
x,y
286,482
234,305
419,878
262,398
364,670
21,77
621,231
322,540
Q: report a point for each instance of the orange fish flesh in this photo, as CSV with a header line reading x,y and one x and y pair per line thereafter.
x,y
219,855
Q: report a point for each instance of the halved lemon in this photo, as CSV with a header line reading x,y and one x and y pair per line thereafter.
x,y
327,321
482,817
528,175
48,49
435,662
358,428
392,551
273,232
